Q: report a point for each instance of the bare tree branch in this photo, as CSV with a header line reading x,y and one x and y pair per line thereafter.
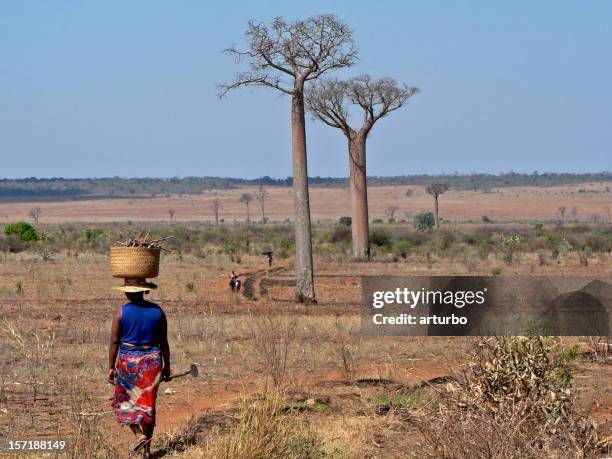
x,y
329,100
286,54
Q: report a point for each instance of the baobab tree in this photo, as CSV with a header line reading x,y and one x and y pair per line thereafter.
x,y
215,205
246,199
285,56
331,101
35,213
261,196
436,189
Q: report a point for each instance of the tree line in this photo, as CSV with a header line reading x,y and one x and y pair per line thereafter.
x,y
62,188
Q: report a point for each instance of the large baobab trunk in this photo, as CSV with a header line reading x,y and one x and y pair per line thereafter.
x,y
359,197
303,241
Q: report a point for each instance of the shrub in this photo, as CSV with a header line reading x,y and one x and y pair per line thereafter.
x,y
23,229
91,235
287,246
230,247
484,249
515,402
424,220
445,239
341,234
510,245
346,221
380,237
401,248
12,244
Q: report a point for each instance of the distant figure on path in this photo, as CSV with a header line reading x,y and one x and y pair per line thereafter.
x,y
268,254
234,282
139,359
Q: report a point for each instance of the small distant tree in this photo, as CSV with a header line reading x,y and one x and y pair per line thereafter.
x,y
409,192
562,210
574,212
35,213
215,205
261,196
246,199
391,213
171,213
436,189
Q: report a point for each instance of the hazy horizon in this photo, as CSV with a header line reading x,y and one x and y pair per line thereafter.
x,y
129,89
443,174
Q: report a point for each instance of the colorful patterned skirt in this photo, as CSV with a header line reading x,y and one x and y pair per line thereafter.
x,y
138,374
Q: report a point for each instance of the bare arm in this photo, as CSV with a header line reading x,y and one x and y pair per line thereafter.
x,y
113,347
165,349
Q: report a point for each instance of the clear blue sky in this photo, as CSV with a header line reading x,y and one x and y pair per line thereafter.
x,y
127,88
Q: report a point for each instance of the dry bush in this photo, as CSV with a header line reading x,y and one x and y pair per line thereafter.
x,y
347,349
33,348
515,402
601,347
87,438
266,430
273,339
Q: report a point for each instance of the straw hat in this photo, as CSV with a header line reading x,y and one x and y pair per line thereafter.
x,y
135,284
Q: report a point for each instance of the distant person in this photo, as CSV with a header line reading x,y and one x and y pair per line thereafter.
x,y
268,254
234,282
139,359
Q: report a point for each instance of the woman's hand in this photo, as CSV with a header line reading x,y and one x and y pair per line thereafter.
x,y
111,376
166,373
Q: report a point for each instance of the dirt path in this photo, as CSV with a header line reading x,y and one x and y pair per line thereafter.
x,y
252,286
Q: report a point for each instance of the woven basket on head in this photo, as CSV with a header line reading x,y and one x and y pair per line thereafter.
x,y
134,262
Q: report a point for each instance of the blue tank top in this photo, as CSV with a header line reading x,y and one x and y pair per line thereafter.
x,y
142,323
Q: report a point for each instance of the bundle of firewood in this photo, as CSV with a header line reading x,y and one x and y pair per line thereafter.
x,y
143,241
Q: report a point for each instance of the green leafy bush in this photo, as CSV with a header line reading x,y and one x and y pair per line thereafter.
x,y
424,220
23,229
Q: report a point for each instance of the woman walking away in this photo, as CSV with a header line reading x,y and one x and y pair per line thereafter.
x,y
139,359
